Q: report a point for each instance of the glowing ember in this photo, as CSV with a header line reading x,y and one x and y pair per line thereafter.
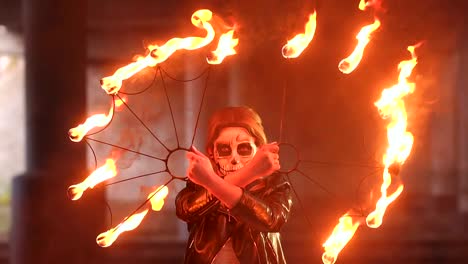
x,y
350,63
296,45
157,198
158,54
101,174
107,238
76,134
225,48
341,235
400,141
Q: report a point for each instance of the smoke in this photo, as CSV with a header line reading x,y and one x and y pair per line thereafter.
x,y
129,139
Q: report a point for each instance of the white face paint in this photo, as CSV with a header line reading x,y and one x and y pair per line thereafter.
x,y
233,148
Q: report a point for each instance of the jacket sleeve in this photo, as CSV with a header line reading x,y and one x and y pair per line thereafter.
x,y
193,202
269,212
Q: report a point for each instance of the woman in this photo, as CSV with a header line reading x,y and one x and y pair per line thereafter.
x,y
235,202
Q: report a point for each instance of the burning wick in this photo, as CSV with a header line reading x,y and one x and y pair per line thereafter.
x,y
76,134
350,63
341,235
111,84
101,174
156,197
107,238
297,45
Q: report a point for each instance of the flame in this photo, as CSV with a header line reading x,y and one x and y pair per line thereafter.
x,y
376,4
375,218
350,63
296,45
103,173
158,54
157,197
119,102
362,5
225,48
107,238
341,235
77,133
400,141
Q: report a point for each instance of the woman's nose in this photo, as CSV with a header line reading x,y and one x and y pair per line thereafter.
x,y
235,160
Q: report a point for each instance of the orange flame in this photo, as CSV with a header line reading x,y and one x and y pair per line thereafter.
x,y
341,235
77,133
391,105
119,102
107,238
157,197
158,54
225,48
296,45
350,63
103,173
362,5
376,4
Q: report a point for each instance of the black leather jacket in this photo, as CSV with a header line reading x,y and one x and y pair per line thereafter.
x,y
253,224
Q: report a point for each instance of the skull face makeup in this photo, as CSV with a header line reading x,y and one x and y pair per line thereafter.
x,y
233,149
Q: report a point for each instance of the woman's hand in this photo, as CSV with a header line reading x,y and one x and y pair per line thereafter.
x,y
200,170
265,161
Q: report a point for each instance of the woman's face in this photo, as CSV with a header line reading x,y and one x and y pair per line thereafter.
x,y
233,148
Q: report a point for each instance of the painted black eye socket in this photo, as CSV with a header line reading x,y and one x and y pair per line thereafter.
x,y
223,150
244,149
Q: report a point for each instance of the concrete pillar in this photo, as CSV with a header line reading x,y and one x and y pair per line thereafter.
x,y
47,226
